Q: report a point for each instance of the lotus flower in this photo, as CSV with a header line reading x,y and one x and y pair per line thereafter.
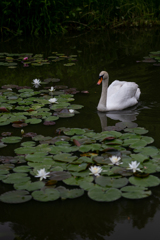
x,y
115,160
134,166
95,170
25,58
42,174
53,100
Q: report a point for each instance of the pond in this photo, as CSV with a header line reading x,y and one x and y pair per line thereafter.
x,y
120,53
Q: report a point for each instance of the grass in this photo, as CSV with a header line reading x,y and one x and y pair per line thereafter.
x,y
55,16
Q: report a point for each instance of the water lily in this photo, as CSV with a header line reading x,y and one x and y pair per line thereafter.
x,y
95,170
22,131
25,58
53,100
134,166
9,89
52,89
36,82
42,174
71,110
115,160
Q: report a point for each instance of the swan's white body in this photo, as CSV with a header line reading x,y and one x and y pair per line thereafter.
x,y
119,95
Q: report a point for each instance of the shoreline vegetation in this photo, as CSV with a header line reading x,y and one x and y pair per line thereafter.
x,y
54,16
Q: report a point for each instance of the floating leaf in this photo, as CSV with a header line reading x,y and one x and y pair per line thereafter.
x,y
15,197
150,181
111,182
100,195
64,157
46,195
29,186
135,192
60,175
16,178
12,139
66,193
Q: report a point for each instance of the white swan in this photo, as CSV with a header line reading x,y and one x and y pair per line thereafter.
x,y
119,95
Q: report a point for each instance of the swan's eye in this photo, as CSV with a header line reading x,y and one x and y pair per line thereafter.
x,y
101,76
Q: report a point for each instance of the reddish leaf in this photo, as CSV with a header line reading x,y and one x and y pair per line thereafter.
x,y
3,109
76,142
48,123
4,134
19,125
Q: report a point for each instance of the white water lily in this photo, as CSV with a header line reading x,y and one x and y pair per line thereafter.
x,y
71,110
134,166
53,100
115,160
42,174
52,89
36,82
95,170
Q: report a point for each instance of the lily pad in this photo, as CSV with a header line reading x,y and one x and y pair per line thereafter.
x,y
135,192
150,181
111,182
73,193
46,195
100,195
16,178
12,139
60,175
29,186
15,197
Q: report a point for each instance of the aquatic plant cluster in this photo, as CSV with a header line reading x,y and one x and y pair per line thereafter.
x,y
106,166
11,60
49,17
154,57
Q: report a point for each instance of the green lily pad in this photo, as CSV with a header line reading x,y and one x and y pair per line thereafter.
x,y
33,121
73,131
77,168
29,186
15,197
150,181
66,193
12,139
100,195
76,181
139,157
22,169
69,64
111,182
135,192
75,106
138,130
16,178
64,157
46,195
60,175
148,151
89,147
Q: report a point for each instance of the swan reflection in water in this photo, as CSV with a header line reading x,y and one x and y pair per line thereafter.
x,y
127,115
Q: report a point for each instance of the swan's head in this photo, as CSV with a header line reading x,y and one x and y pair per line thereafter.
x,y
103,76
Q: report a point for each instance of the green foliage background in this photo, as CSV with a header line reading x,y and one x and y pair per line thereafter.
x,y
52,16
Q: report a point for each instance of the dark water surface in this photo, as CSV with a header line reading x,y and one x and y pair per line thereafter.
x,y
82,218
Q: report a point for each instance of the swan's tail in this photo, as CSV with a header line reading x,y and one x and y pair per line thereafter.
x,y
138,93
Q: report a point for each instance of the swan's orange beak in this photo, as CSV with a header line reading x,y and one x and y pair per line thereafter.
x,y
100,80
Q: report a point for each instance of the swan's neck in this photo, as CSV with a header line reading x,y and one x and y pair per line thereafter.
x,y
103,99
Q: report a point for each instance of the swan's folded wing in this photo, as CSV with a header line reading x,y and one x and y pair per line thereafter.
x,y
122,95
